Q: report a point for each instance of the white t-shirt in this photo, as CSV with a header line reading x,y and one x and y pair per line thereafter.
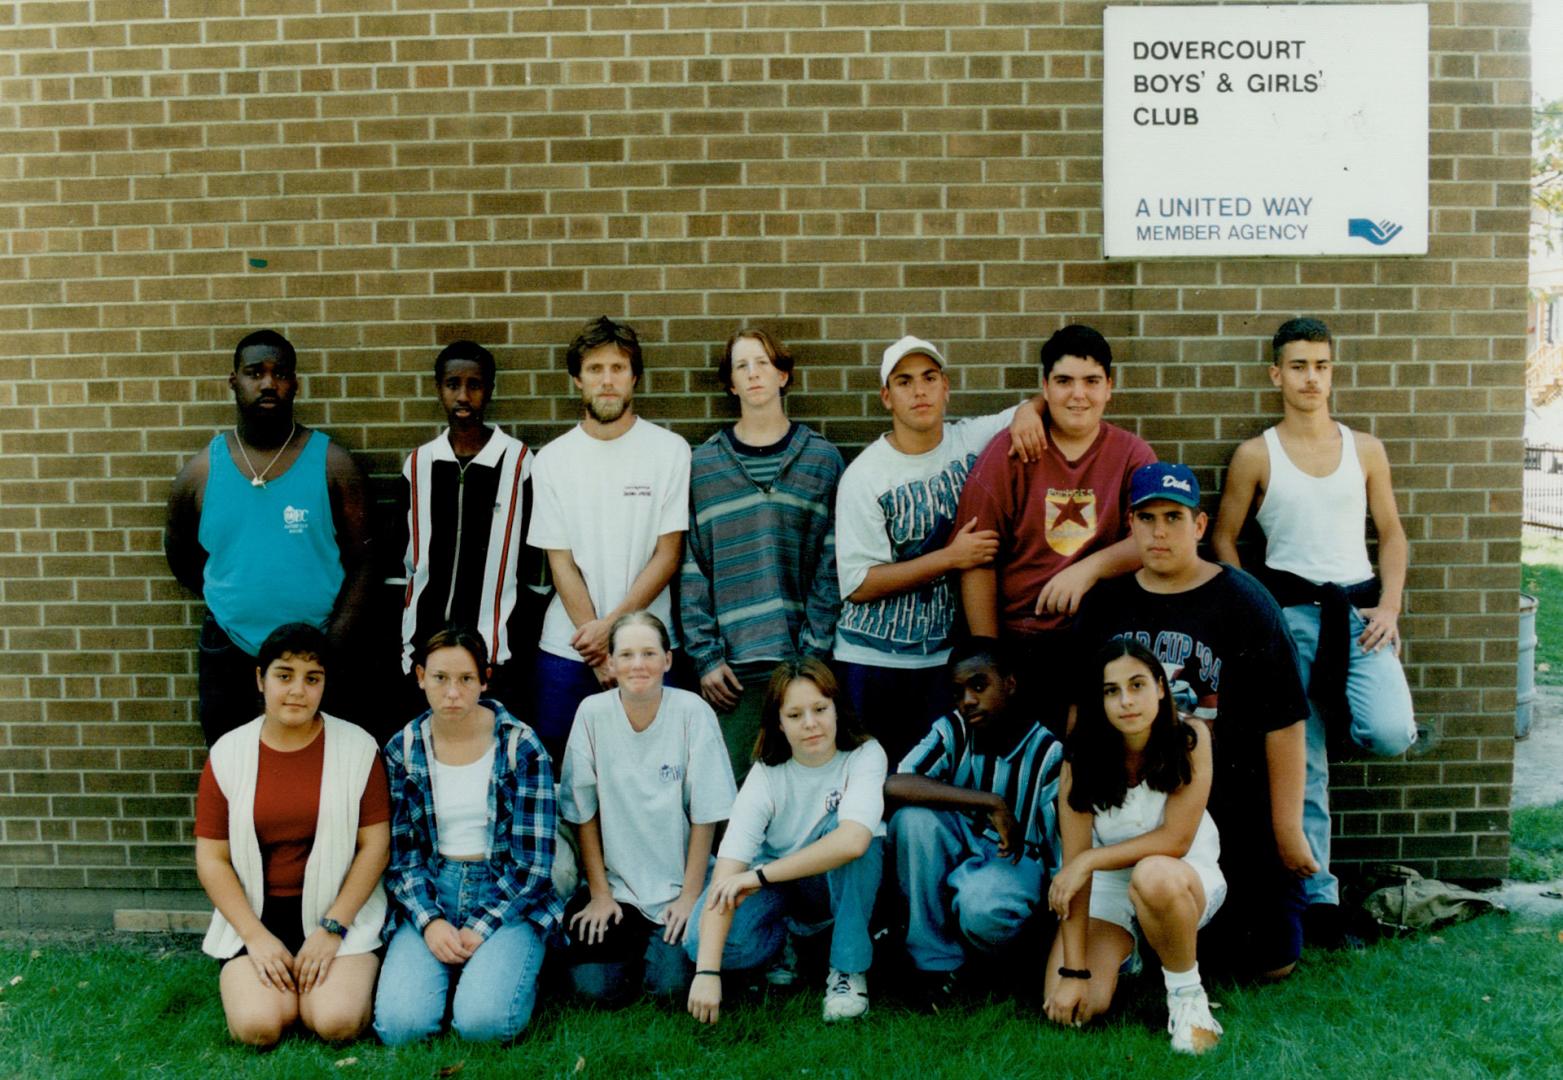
x,y
780,806
893,507
607,502
646,788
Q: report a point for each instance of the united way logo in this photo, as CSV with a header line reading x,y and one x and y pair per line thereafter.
x,y
1071,519
1377,233
295,519
670,774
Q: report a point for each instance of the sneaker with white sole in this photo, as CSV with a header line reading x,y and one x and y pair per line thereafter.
x,y
1189,1021
846,996
784,971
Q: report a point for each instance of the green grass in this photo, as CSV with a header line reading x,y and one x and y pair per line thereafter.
x,y
1536,844
1542,577
1474,1000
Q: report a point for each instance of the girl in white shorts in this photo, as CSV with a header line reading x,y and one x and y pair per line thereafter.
x,y
1140,850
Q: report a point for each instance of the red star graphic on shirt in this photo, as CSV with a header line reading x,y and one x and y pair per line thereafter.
x,y
1070,510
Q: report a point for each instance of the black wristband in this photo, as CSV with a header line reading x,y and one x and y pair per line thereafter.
x,y
764,881
718,974
1075,973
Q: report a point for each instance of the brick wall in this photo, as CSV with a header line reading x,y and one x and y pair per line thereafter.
x,y
377,177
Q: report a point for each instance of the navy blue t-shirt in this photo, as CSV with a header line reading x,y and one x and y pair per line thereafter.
x,y
1230,661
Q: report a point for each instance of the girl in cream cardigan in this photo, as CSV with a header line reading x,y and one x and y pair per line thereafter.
x,y
292,834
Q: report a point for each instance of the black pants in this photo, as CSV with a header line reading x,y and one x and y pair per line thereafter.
x,y
225,680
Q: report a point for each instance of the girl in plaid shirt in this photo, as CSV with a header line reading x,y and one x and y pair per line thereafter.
x,y
472,851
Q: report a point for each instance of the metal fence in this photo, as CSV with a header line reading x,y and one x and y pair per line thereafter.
x,y
1544,486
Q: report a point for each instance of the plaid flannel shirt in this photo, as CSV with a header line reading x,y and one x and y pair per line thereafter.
x,y
521,818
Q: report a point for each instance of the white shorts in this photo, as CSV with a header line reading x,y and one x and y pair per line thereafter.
x,y
1110,902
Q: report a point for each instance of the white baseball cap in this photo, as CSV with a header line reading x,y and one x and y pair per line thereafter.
x,y
905,347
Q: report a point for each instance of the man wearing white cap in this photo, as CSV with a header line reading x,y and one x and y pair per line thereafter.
x,y
897,540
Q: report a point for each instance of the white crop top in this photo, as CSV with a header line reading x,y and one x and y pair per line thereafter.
x,y
461,805
1315,526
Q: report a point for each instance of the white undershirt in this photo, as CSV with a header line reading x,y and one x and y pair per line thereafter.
x,y
461,805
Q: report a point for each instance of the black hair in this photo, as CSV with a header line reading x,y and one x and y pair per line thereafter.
x,y
269,339
604,331
771,746
1080,340
640,618
1099,777
1298,330
466,350
780,358
300,640
452,636
989,650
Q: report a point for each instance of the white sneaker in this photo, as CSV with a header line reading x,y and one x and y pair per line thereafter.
x,y
1192,1027
846,996
784,972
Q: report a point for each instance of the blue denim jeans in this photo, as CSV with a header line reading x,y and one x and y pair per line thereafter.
x,y
1382,723
494,990
631,957
960,892
841,899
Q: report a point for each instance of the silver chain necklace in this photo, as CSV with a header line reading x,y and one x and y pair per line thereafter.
x,y
258,479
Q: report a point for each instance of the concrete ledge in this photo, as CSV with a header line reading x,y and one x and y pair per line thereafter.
x,y
145,921
95,909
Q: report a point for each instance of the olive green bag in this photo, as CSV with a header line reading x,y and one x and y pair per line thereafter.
x,y
1404,901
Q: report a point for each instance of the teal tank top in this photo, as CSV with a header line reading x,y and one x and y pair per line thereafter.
x,y
272,555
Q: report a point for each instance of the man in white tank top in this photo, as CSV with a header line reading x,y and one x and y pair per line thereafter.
x,y
1313,482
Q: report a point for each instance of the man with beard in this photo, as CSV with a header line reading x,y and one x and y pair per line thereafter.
x,y
612,505
268,525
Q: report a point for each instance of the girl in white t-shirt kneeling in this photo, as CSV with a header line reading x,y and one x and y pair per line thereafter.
x,y
1140,849
804,844
646,778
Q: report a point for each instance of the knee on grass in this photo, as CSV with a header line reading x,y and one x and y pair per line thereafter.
x,y
488,1021
336,1021
261,1029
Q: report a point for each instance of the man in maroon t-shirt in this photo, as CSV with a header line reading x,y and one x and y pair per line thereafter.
x,y
1062,520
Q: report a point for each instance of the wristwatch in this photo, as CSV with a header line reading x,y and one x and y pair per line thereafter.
x,y
331,926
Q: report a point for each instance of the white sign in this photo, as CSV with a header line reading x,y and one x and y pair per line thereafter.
x,y
1265,130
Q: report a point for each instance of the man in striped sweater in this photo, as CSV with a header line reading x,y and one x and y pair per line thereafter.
x,y
759,578
975,841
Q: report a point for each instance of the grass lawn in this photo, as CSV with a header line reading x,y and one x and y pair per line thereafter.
x,y
1542,577
1536,844
1474,1000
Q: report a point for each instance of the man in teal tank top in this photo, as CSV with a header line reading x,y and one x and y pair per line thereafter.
x,y
269,525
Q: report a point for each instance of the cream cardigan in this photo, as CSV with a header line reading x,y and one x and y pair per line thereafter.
x,y
349,755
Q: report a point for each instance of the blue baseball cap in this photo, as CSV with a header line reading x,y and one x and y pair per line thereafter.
x,y
1164,480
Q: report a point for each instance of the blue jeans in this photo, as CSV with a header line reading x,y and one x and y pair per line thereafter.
x,y
495,989
959,890
897,706
630,957
842,898
1382,723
